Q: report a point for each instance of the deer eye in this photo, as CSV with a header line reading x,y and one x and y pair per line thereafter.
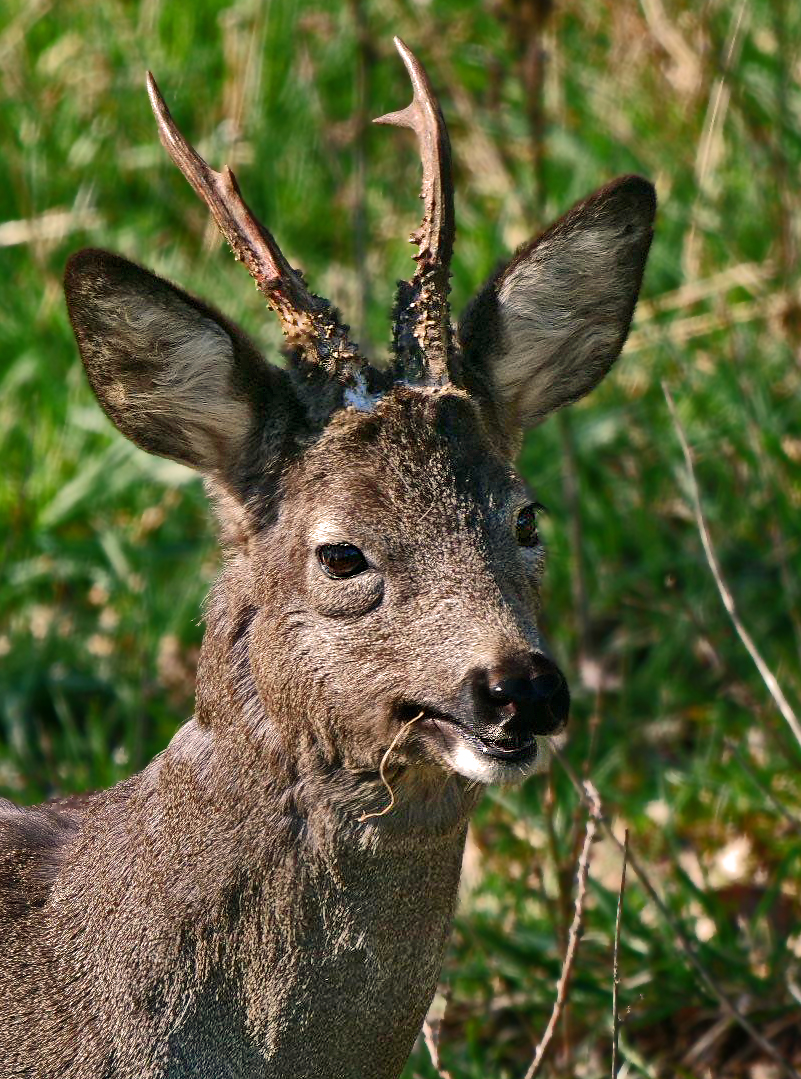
x,y
526,525
341,560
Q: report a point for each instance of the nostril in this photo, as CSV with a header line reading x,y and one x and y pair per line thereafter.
x,y
514,690
518,690
521,699
545,686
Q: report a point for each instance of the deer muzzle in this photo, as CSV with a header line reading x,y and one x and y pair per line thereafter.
x,y
492,728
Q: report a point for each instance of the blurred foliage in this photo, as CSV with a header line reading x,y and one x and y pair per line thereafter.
x,y
105,553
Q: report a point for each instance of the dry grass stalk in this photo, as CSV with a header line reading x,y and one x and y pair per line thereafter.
x,y
686,75
703,1049
727,599
52,226
766,793
710,146
753,276
616,959
593,803
684,941
399,736
682,330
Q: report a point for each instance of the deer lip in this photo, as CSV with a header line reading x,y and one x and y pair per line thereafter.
x,y
524,749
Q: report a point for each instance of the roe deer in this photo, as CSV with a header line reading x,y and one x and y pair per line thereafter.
x,y
245,906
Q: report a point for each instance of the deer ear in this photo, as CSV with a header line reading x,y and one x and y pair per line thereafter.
x,y
547,327
171,373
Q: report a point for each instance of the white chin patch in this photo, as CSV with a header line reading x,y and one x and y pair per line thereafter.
x,y
470,762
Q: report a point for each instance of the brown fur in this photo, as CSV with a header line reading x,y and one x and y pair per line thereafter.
x,y
229,911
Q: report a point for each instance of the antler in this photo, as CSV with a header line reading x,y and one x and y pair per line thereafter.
x,y
308,321
422,329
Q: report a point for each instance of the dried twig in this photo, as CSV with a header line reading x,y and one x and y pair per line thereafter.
x,y
593,803
431,1033
767,675
616,959
682,938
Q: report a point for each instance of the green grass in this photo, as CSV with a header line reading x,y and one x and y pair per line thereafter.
x,y
106,554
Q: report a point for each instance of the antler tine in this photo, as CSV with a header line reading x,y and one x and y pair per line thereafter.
x,y
424,117
308,321
422,318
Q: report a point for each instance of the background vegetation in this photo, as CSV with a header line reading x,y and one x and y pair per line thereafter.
x,y
105,553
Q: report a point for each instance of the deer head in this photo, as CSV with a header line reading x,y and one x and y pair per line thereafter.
x,y
382,555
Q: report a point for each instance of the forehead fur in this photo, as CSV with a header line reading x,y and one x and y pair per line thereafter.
x,y
417,473
417,443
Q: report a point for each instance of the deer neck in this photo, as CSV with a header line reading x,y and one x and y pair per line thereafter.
x,y
322,934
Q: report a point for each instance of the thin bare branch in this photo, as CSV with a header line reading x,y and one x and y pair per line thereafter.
x,y
616,958
727,599
683,940
593,803
431,1032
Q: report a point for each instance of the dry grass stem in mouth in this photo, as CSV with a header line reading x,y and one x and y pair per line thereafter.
x,y
398,737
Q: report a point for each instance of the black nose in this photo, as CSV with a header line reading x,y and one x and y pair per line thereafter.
x,y
538,700
523,691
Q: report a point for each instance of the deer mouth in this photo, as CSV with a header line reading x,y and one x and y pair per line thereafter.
x,y
511,750
454,739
